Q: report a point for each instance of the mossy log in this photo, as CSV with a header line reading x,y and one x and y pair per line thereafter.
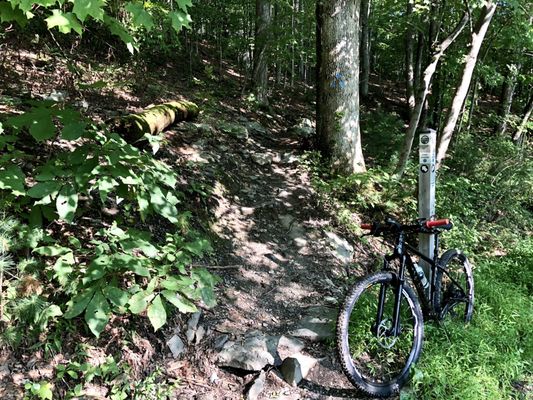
x,y
154,120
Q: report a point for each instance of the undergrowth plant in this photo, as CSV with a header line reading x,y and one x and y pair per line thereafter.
x,y
486,189
82,264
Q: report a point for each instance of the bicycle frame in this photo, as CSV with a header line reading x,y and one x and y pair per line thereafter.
x,y
402,251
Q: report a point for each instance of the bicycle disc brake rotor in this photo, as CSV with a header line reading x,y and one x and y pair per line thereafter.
x,y
385,339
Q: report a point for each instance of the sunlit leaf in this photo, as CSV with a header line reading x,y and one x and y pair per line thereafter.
x,y
65,22
12,178
79,303
42,189
179,19
97,313
116,296
138,302
181,303
94,8
157,313
140,16
67,203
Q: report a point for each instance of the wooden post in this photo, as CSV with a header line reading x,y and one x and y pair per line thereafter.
x,y
426,192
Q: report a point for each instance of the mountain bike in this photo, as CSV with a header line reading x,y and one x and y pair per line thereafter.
x,y
380,326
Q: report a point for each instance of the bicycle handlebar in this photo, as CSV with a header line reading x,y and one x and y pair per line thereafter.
x,y
420,225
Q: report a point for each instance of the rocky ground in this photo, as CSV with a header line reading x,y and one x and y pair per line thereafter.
x,y
283,268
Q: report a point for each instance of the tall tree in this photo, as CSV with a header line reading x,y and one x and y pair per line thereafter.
x,y
478,34
409,59
365,46
262,34
338,131
423,92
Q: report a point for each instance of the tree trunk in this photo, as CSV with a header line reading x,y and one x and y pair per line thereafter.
x,y
423,91
338,131
409,60
262,34
153,120
506,100
365,46
518,135
461,92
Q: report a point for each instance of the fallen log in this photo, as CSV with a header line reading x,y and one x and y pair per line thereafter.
x,y
154,119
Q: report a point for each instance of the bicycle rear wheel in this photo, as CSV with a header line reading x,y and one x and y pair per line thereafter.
x,y
371,357
454,287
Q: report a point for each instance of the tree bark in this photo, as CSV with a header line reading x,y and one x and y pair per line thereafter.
x,y
423,92
518,135
409,60
506,100
338,131
262,34
461,92
153,120
365,46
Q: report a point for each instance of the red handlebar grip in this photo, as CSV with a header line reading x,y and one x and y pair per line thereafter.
x,y
366,226
437,222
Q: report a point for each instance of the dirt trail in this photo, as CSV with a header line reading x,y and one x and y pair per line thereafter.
x,y
275,262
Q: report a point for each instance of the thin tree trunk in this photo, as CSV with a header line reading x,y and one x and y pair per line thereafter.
x,y
518,135
462,90
365,46
420,43
409,60
506,100
423,93
262,29
338,129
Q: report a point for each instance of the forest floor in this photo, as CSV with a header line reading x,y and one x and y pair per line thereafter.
x,y
274,252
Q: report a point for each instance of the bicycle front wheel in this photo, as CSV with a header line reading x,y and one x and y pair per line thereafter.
x,y
374,358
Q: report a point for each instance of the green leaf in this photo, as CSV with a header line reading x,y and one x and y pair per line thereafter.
x,y
140,16
97,268
79,303
94,8
116,296
117,29
179,19
97,313
9,12
63,267
42,189
51,251
44,391
162,206
65,22
144,204
73,130
198,247
67,203
138,302
36,217
184,4
12,178
130,263
181,303
105,185
157,313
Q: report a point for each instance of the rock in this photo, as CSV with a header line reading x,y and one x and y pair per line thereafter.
x,y
192,325
257,387
288,158
296,368
205,129
176,345
56,96
238,131
288,345
200,333
343,250
262,158
286,221
305,128
252,354
314,329
256,127
220,341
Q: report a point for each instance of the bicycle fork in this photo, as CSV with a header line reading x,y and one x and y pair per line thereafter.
x,y
398,289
